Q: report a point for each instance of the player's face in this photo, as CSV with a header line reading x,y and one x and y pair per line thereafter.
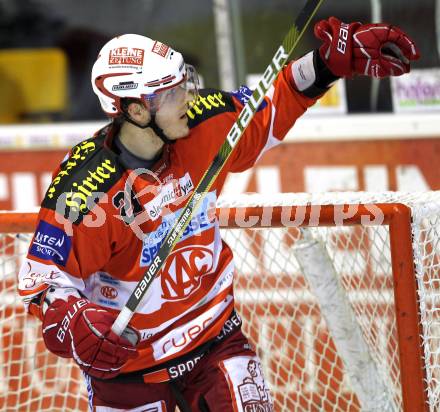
x,y
171,114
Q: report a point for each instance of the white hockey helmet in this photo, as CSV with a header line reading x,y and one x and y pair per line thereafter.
x,y
135,66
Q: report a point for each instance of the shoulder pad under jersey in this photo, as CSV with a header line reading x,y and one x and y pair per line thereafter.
x,y
84,177
211,102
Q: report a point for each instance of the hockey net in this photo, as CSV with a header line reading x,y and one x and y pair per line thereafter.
x,y
338,292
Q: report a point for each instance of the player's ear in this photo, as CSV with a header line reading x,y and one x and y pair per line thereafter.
x,y
135,109
138,112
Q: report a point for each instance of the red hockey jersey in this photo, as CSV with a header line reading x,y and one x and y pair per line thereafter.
x,y
90,236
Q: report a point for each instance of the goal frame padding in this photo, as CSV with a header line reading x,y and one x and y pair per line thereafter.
x,y
395,215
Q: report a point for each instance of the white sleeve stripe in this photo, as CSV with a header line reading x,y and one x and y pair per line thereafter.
x,y
303,72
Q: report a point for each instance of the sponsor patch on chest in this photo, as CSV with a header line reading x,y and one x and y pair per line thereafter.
x,y
203,220
169,193
51,243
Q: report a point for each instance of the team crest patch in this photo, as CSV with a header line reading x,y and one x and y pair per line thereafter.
x,y
246,383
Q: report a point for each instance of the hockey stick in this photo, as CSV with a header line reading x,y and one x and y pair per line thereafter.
x,y
281,55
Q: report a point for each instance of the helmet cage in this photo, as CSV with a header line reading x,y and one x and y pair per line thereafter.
x,y
188,88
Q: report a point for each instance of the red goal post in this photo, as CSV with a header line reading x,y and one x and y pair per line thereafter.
x,y
381,260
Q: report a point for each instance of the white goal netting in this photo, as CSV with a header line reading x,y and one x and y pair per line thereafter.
x,y
319,304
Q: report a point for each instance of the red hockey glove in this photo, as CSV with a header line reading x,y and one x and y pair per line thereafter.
x,y
376,50
81,330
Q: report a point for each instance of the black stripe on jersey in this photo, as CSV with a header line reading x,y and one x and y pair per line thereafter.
x,y
88,173
210,102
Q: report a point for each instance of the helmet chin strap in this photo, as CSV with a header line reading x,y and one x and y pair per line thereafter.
x,y
160,133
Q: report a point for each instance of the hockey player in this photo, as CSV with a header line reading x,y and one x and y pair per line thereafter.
x,y
115,197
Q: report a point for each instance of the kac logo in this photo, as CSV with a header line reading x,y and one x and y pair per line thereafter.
x,y
51,243
183,271
109,292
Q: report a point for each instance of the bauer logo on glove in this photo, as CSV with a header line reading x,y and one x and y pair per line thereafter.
x,y
375,50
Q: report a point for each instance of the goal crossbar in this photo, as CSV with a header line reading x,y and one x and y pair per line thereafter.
x,y
396,216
